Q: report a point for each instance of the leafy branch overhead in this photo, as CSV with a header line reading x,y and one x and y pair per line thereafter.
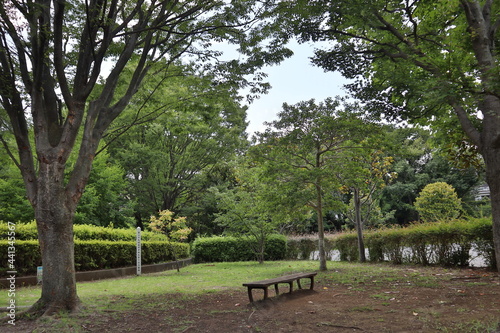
x,y
428,62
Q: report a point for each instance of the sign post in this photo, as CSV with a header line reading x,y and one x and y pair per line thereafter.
x,y
138,248
39,274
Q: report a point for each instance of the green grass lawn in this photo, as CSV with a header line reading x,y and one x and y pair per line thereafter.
x,y
212,277
191,280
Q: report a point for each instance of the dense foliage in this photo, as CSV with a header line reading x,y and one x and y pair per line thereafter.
x,y
443,243
28,231
214,249
95,247
97,254
438,202
425,62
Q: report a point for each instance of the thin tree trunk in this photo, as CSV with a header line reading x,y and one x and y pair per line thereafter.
x,y
359,226
321,231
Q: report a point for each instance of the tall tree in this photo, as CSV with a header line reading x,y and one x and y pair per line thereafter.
x,y
52,54
431,62
104,201
192,125
302,148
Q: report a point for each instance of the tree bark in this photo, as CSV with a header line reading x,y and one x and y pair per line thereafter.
x,y
359,226
493,179
54,213
490,150
321,230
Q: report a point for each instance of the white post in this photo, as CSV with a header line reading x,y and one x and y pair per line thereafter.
x,y
138,248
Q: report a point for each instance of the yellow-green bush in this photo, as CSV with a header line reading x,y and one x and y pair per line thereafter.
x,y
438,202
28,231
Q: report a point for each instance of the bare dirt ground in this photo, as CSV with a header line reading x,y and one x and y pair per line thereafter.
x,y
462,300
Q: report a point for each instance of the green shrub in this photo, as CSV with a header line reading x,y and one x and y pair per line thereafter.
x,y
276,247
438,202
28,231
306,247
443,243
221,249
24,231
96,254
347,246
301,247
27,256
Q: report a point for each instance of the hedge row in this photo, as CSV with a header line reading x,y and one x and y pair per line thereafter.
x,y
96,254
305,248
28,231
443,243
222,249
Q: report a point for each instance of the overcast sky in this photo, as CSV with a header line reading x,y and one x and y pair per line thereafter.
x,y
294,80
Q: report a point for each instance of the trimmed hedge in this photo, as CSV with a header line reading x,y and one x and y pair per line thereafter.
x,y
28,231
95,254
27,257
223,249
442,243
304,247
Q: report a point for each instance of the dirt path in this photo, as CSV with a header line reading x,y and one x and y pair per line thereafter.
x,y
465,301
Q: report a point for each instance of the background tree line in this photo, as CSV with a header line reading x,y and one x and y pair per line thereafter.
x,y
193,147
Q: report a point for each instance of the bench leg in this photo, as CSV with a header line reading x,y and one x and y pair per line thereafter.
x,y
250,296
291,286
276,289
312,283
298,284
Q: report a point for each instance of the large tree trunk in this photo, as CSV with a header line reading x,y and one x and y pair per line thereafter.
x,y
492,159
54,212
490,150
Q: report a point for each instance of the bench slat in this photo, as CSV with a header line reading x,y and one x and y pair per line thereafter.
x,y
283,279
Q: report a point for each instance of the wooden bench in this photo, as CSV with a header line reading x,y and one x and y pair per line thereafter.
x,y
264,284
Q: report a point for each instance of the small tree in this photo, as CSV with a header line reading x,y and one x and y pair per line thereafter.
x,y
246,209
302,150
175,229
364,173
438,201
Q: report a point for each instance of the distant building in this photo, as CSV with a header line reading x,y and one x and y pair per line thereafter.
x,y
482,192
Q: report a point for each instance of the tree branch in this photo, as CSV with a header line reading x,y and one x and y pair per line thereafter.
x,y
471,131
